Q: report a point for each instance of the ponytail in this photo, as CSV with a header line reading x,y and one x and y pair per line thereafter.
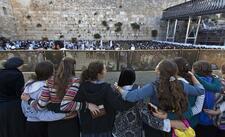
x,y
84,76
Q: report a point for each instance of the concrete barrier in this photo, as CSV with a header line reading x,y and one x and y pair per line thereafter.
x,y
141,60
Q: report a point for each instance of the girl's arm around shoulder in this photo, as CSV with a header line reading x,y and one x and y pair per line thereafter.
x,y
138,94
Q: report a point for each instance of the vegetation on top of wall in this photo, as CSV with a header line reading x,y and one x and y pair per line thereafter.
x,y
61,36
73,40
39,25
96,13
97,36
154,33
28,17
118,26
104,23
44,38
135,26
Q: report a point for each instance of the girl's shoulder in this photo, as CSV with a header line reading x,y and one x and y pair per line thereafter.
x,y
74,80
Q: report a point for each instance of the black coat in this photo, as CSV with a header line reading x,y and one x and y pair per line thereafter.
x,y
11,84
12,119
100,94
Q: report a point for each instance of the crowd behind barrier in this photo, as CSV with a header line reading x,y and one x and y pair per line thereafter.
x,y
97,45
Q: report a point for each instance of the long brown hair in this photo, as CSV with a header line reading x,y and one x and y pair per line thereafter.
x,y
91,73
170,92
65,71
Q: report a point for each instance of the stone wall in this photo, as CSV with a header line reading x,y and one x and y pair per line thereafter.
x,y
82,19
7,19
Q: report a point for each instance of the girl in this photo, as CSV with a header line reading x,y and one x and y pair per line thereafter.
x,y
203,70
93,89
128,123
56,91
36,125
168,93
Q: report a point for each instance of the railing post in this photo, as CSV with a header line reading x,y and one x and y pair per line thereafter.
x,y
199,22
175,29
188,27
168,28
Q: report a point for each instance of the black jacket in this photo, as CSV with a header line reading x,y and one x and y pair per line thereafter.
x,y
11,84
100,94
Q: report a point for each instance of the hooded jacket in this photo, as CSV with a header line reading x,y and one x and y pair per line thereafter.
x,y
34,88
100,94
11,84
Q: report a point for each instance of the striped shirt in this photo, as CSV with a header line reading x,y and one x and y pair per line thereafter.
x,y
49,95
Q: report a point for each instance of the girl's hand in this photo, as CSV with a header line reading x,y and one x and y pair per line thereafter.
x,y
160,114
25,97
212,112
118,88
178,125
94,109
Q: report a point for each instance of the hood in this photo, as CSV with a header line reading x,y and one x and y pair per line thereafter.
x,y
32,86
93,90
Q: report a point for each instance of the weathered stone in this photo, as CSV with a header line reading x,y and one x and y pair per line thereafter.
x,y
81,16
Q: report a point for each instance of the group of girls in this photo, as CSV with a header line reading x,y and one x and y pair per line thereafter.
x,y
57,103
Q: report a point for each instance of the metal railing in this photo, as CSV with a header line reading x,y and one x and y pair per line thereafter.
x,y
194,8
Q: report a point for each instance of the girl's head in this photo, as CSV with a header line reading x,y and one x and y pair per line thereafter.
x,y
65,71
95,71
44,70
170,92
183,68
202,68
223,70
127,77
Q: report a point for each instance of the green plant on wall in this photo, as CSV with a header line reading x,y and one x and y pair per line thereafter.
x,y
135,26
97,36
118,26
104,23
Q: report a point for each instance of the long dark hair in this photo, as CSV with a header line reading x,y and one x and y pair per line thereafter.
x,y
65,71
183,68
170,92
127,77
202,68
91,73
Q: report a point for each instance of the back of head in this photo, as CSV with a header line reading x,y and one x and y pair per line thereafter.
x,y
58,44
65,71
127,77
202,68
13,63
223,69
91,73
183,68
170,92
44,70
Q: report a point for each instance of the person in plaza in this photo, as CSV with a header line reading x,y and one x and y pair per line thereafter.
x,y
12,120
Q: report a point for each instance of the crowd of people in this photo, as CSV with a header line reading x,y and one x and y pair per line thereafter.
x,y
183,101
94,45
